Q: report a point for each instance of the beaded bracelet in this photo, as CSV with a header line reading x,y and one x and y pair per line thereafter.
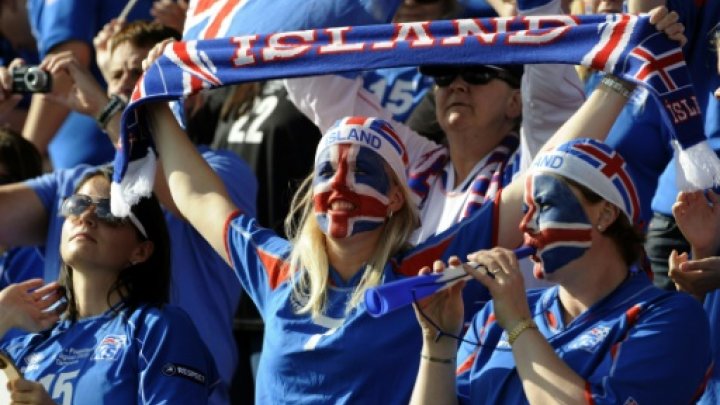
x,y
519,328
451,360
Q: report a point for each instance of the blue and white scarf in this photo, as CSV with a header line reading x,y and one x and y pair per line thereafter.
x,y
625,45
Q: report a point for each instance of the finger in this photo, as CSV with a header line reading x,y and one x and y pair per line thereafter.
x,y
506,260
16,63
424,270
708,263
665,22
454,261
713,197
438,266
46,289
31,284
657,14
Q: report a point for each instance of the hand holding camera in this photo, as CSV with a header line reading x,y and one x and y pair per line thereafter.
x,y
8,99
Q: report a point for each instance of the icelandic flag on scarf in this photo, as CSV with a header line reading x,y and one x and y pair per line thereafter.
x,y
625,45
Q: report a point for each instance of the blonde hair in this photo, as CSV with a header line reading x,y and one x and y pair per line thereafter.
x,y
309,265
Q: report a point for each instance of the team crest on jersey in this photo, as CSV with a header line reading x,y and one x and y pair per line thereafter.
x,y
109,347
591,339
630,401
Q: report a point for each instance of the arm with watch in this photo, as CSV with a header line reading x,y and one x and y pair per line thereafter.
x,y
86,96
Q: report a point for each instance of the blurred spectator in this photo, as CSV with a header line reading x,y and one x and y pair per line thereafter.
x,y
203,285
115,340
69,138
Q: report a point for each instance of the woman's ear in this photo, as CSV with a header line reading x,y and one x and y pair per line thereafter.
x,y
607,214
397,198
142,252
514,105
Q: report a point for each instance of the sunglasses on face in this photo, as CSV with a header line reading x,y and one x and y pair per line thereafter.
x,y
76,204
475,77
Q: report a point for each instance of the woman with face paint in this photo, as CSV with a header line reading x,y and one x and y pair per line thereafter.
x,y
603,334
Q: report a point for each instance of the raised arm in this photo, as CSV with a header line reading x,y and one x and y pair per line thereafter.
x,y
45,116
198,192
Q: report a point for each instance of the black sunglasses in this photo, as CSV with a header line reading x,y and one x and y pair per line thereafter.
x,y
76,204
474,76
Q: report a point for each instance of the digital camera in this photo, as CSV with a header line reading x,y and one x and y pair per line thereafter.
x,y
31,79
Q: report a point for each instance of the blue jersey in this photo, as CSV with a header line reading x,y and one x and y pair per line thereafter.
x,y
399,90
79,140
711,396
145,356
339,357
202,283
638,345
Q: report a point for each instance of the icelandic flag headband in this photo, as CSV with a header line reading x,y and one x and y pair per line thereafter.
x,y
625,45
596,166
373,133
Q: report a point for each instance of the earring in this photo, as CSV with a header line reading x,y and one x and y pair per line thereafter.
x,y
390,214
600,228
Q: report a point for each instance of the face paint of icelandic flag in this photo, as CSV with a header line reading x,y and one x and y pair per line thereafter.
x,y
555,223
352,180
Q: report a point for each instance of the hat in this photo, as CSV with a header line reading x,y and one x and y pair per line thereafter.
x,y
514,71
596,166
370,132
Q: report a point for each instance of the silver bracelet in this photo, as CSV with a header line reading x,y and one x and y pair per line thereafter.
x,y
615,84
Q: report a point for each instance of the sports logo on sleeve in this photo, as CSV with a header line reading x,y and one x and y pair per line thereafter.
x,y
179,370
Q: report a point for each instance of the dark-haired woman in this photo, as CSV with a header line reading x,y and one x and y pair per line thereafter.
x,y
117,341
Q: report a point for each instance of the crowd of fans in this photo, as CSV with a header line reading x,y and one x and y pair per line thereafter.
x,y
242,278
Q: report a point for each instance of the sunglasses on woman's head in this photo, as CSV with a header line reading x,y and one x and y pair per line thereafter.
x,y
76,204
474,76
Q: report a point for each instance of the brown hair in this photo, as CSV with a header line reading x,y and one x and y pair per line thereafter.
x,y
146,283
142,34
18,156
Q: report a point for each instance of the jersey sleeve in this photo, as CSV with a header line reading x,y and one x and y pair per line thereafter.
x,y
474,339
325,99
258,256
55,22
174,365
668,350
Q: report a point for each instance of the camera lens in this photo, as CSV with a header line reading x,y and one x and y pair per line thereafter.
x,y
35,79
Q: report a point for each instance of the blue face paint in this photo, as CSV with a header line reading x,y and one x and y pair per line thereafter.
x,y
350,190
555,223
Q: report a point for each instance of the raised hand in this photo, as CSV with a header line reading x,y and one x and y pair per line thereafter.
x,y
698,217
85,94
24,305
102,45
444,308
8,99
170,13
667,21
695,277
